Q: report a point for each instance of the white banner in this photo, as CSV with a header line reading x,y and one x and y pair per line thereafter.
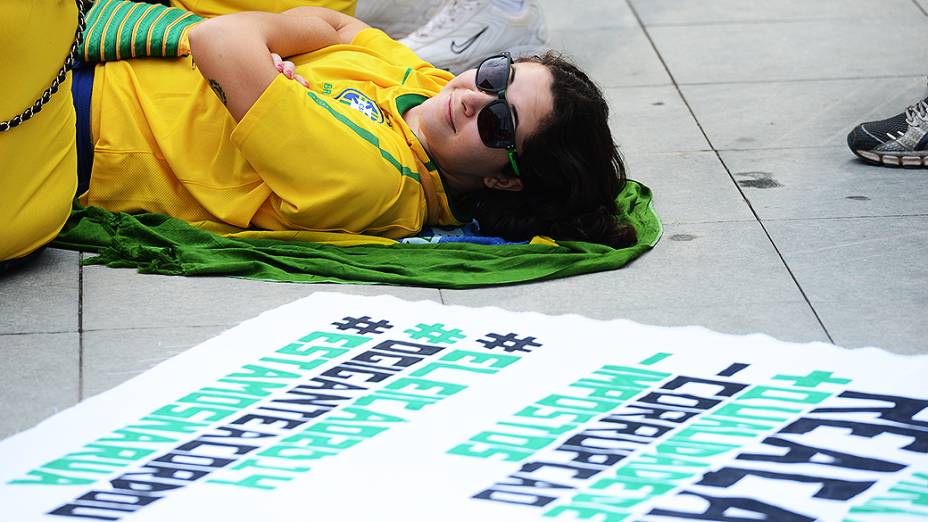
x,y
342,408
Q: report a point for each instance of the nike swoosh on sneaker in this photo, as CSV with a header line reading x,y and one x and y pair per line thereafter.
x,y
458,49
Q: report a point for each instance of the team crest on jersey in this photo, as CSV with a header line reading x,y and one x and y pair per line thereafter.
x,y
361,103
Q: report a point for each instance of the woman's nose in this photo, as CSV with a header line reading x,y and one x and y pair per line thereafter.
x,y
474,100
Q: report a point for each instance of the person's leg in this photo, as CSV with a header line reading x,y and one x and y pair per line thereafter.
x,y
464,32
209,8
38,160
397,18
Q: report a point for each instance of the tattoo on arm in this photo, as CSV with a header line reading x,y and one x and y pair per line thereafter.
x,y
219,92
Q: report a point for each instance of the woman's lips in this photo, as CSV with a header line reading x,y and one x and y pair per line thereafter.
x,y
451,113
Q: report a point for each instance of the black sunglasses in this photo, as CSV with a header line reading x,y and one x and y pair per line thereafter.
x,y
495,122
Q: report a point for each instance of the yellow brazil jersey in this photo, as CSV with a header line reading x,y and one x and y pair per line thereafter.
x,y
336,158
210,8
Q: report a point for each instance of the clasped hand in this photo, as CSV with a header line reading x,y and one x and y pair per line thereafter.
x,y
288,69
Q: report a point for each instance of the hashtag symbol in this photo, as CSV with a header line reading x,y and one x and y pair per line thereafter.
x,y
508,342
364,325
435,333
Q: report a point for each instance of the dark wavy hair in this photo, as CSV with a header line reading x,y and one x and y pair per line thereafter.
x,y
571,171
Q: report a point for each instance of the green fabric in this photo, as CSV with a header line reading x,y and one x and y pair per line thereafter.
x,y
111,25
154,243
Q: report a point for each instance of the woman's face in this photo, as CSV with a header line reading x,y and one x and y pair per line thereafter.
x,y
448,124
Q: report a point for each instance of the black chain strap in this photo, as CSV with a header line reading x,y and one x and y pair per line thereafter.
x,y
53,88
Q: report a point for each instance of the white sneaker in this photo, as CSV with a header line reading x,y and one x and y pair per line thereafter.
x,y
465,32
397,18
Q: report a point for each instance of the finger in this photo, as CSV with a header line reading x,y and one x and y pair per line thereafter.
x,y
278,62
289,69
302,81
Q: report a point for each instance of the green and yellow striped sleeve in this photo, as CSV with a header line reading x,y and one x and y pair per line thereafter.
x,y
120,29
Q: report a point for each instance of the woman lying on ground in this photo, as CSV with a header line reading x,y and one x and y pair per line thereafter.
x,y
363,137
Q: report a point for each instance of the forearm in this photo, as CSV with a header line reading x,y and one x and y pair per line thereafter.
x,y
233,52
339,21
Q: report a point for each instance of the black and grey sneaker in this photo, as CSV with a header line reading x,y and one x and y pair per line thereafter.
x,y
900,141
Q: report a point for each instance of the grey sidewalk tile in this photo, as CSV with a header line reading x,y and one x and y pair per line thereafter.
x,y
41,297
587,14
38,378
653,119
791,321
795,51
824,183
865,276
121,298
796,114
114,356
613,57
683,12
694,265
923,4
896,326
689,187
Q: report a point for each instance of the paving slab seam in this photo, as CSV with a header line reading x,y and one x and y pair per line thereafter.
x,y
768,22
706,222
738,187
605,85
80,327
21,334
773,243
165,327
673,79
920,8
779,302
847,218
798,80
606,26
622,150
800,147
776,249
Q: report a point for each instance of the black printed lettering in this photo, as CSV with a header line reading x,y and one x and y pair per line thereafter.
x,y
653,413
919,443
727,388
718,506
92,512
593,458
143,486
414,348
832,488
267,420
347,372
575,472
226,448
166,472
679,400
902,409
521,498
802,454
200,461
379,358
